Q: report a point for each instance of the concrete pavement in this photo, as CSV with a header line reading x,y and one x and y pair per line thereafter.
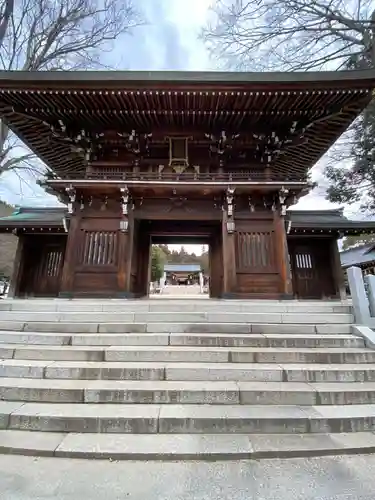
x,y
334,478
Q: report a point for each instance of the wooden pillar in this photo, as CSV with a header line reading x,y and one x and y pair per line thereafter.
x,y
123,268
143,250
282,255
229,259
67,278
215,267
337,271
130,255
18,267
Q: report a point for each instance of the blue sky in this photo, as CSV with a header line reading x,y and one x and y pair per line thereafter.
x,y
168,42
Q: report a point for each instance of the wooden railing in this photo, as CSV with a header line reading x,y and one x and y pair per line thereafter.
x,y
114,174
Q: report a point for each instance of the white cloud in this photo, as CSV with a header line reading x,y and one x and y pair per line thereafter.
x,y
190,17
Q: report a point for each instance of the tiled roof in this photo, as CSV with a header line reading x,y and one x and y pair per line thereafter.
x,y
333,218
358,255
37,216
300,219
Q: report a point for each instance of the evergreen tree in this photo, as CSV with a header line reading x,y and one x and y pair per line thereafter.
x,y
157,262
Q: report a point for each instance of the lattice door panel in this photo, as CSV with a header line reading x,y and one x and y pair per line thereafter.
x,y
48,273
305,272
99,248
255,252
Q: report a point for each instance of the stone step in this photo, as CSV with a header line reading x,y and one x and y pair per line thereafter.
x,y
173,305
213,327
164,447
186,354
187,392
239,354
328,372
79,370
178,317
185,419
193,339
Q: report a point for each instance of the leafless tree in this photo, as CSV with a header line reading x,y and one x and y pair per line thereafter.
x,y
302,35
37,35
291,34
6,10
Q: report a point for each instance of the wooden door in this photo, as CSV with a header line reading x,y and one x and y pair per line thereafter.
x,y
256,263
304,271
42,270
48,276
97,257
311,269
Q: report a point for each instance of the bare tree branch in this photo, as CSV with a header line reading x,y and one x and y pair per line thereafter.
x,y
290,35
56,35
5,15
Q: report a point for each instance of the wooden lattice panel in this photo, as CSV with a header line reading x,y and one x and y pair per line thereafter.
x,y
99,248
255,252
47,274
53,262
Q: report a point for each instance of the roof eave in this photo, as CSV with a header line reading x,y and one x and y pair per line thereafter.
x,y
20,79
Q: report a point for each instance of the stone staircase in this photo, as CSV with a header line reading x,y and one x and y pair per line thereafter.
x,y
183,379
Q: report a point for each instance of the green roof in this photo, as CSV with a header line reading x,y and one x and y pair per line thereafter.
x,y
325,220
34,215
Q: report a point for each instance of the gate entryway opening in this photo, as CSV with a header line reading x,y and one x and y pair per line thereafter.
x,y
164,232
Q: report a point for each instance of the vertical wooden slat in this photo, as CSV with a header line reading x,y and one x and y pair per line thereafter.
x,y
106,237
48,271
99,248
254,251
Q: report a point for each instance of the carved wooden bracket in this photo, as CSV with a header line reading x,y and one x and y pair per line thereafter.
x,y
125,200
71,192
125,196
283,193
231,227
251,204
